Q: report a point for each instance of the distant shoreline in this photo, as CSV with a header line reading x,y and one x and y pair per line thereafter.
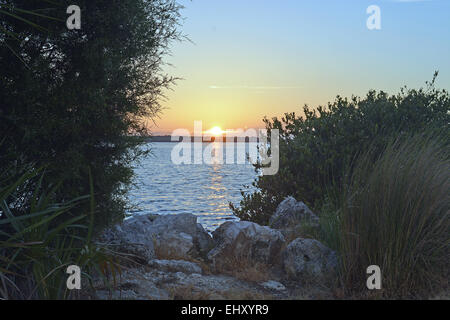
x,y
203,139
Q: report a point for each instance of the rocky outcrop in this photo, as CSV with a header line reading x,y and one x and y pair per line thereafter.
x,y
145,236
245,240
180,260
308,259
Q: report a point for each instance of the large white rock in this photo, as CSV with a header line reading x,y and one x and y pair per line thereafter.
x,y
309,259
131,237
246,240
179,234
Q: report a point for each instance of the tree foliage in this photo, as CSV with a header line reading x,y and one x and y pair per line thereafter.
x,y
71,100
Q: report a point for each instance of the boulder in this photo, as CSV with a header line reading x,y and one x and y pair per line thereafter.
x,y
237,241
174,245
305,259
184,228
291,215
146,236
131,237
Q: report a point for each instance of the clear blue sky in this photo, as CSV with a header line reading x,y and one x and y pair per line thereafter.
x,y
251,59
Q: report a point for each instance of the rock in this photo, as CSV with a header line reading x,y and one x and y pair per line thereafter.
x,y
131,237
246,240
182,226
174,245
292,214
178,235
308,259
203,241
176,266
273,285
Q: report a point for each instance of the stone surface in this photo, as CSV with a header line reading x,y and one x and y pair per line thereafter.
x,y
131,237
309,259
176,266
117,295
203,241
291,213
142,284
273,285
174,245
246,240
133,285
183,226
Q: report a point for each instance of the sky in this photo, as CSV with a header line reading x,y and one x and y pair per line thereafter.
x,y
248,59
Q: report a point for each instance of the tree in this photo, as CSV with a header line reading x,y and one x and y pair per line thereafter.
x,y
75,100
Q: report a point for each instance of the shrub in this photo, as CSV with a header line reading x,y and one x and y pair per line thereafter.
x,y
395,214
318,148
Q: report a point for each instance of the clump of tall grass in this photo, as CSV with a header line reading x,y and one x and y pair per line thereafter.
x,y
395,214
39,239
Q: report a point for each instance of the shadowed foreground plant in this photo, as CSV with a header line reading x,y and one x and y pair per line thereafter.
x,y
396,215
37,246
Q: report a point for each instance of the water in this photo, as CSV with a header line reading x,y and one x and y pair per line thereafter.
x,y
204,190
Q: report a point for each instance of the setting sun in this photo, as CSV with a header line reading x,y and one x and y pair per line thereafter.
x,y
216,131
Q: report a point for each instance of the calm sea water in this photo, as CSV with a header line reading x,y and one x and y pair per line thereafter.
x,y
201,189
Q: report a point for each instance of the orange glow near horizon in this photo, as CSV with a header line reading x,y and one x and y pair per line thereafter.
x,y
237,71
215,131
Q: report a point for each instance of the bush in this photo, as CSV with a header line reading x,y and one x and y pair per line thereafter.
x,y
317,149
395,214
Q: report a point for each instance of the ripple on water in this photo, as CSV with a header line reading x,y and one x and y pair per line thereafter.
x,y
204,190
